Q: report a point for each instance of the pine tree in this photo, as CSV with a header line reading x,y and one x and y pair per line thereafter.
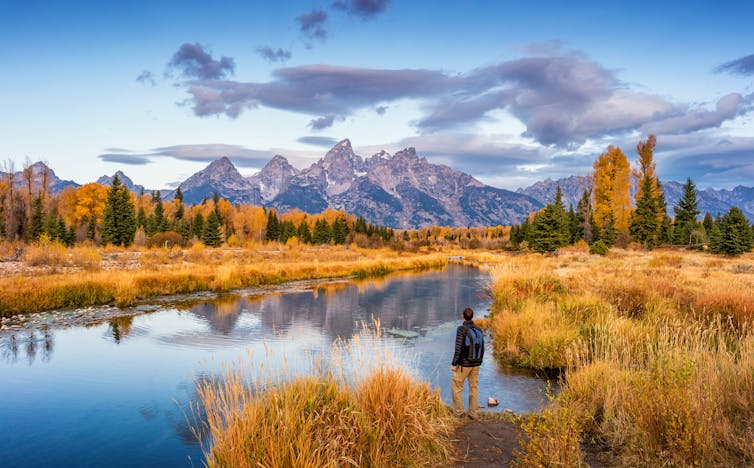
x,y
141,218
36,223
287,230
119,219
584,215
339,231
273,227
197,226
303,232
646,220
735,234
322,233
686,212
212,234
157,222
550,228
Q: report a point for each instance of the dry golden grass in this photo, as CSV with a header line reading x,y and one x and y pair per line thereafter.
x,y
144,273
657,348
331,416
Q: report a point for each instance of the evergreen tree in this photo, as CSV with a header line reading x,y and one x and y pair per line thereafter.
x,y
178,194
91,228
573,226
584,215
141,218
273,227
666,231
197,226
36,223
322,233
71,238
212,234
550,229
287,230
645,221
360,226
707,223
735,234
119,219
303,232
339,230
685,215
157,222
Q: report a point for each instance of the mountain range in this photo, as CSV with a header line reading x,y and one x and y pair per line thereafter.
x,y
709,200
402,190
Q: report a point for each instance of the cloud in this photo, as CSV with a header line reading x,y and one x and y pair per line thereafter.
x,y
380,110
192,61
312,24
323,122
274,55
727,108
315,90
365,9
563,99
240,155
740,66
146,77
130,159
321,141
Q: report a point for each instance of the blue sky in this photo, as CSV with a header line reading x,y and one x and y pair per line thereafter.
x,y
511,92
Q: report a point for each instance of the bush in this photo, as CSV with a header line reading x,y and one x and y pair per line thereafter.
x,y
162,239
599,248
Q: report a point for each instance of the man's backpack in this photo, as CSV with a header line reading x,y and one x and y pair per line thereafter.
x,y
475,342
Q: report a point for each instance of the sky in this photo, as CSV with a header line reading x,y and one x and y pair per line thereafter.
x,y
509,92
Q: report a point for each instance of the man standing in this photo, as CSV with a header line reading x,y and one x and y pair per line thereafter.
x,y
466,361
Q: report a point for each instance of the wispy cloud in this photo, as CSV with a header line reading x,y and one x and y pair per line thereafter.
x,y
365,9
193,61
312,24
147,77
130,159
321,141
240,155
274,55
740,66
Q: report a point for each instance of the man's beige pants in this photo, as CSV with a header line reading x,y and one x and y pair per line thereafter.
x,y
459,376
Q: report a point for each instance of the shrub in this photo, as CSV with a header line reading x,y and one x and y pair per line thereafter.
x,y
599,248
165,239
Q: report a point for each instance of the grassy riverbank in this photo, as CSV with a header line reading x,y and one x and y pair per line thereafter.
x,y
657,349
372,414
53,277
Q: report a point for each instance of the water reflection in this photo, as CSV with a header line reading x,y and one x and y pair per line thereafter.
x,y
29,345
338,308
129,381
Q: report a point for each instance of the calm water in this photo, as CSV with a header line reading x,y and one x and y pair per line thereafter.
x,y
117,393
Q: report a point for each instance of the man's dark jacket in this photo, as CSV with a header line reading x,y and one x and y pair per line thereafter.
x,y
460,358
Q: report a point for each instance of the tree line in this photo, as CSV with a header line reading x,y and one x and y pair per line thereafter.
x,y
113,215
605,215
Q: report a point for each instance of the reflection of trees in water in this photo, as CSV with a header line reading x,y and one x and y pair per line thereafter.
x,y
403,302
28,344
221,314
121,327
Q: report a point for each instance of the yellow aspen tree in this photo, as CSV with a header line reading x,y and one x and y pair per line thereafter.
x,y
612,190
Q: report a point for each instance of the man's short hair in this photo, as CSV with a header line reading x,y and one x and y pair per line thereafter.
x,y
468,314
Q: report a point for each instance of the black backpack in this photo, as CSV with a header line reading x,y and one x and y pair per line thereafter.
x,y
475,342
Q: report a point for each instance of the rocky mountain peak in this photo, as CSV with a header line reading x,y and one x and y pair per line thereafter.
x,y
339,168
274,177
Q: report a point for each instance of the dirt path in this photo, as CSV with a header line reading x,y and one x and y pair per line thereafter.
x,y
491,442
485,443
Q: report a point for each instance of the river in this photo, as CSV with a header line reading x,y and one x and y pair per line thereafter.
x,y
118,393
